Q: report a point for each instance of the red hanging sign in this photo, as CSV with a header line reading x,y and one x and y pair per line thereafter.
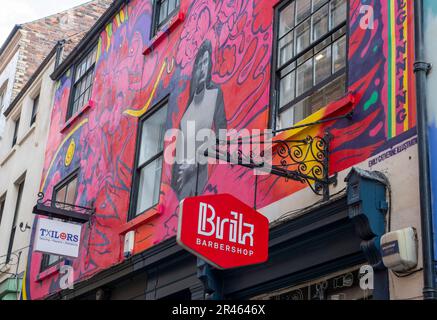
x,y
223,231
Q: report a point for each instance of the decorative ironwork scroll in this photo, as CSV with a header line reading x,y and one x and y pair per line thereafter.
x,y
305,161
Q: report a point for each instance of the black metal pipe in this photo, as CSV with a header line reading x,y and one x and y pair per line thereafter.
x,y
421,69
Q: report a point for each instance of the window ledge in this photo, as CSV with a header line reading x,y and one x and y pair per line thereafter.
x,y
28,133
8,156
74,118
140,220
50,271
343,105
175,21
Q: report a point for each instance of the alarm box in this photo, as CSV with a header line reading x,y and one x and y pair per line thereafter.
x,y
399,249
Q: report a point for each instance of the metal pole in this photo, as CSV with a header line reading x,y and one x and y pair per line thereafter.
x,y
421,69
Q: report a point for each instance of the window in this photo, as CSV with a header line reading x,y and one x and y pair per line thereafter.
x,y
163,11
2,98
16,128
147,177
310,67
83,83
20,187
34,110
2,207
65,193
3,95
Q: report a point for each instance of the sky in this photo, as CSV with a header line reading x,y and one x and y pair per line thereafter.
x,y
20,11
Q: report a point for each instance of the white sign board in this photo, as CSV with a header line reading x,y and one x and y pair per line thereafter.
x,y
57,238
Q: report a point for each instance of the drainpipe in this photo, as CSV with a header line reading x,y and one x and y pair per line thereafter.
x,y
421,69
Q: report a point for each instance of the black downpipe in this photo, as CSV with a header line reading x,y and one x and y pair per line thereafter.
x,y
421,69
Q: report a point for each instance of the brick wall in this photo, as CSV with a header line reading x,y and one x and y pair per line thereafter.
x,y
40,36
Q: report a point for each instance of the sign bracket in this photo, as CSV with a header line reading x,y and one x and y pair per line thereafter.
x,y
63,211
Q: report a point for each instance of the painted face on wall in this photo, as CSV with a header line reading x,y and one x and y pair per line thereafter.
x,y
201,72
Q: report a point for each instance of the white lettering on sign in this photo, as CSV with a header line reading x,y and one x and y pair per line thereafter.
x,y
238,231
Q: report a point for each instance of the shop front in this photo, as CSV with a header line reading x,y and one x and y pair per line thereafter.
x,y
329,252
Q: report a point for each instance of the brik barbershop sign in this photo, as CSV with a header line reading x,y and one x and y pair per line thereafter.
x,y
223,231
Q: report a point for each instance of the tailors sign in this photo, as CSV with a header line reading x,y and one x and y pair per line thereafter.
x,y
57,238
223,231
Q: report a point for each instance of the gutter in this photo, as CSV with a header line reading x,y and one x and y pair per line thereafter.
x,y
421,69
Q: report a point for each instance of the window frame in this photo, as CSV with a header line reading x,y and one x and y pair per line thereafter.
x,y
3,90
17,123
2,206
20,185
156,26
66,181
137,169
35,107
59,186
70,114
275,109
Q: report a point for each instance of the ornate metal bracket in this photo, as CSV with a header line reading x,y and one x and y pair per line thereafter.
x,y
60,210
305,161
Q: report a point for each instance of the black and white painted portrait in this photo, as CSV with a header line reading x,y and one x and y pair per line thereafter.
x,y
205,110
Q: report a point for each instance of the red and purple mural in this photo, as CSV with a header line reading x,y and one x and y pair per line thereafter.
x,y
235,38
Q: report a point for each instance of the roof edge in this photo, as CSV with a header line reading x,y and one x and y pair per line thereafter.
x,y
11,35
88,38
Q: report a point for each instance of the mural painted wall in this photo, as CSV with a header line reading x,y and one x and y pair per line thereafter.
x,y
231,41
430,8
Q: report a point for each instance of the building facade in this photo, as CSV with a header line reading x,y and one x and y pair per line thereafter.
x,y
322,68
30,53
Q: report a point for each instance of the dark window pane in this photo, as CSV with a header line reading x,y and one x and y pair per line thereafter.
x,y
34,110
16,128
60,195
339,54
70,196
149,187
320,23
304,80
2,209
338,12
152,140
322,65
317,4
285,52
303,36
286,20
303,10
52,259
287,93
163,11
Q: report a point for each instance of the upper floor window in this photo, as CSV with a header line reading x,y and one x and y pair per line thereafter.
x,y
34,110
147,177
163,11
65,192
310,68
2,207
20,188
83,83
16,128
3,95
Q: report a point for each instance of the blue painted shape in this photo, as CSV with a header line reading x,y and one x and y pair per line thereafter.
x,y
366,199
